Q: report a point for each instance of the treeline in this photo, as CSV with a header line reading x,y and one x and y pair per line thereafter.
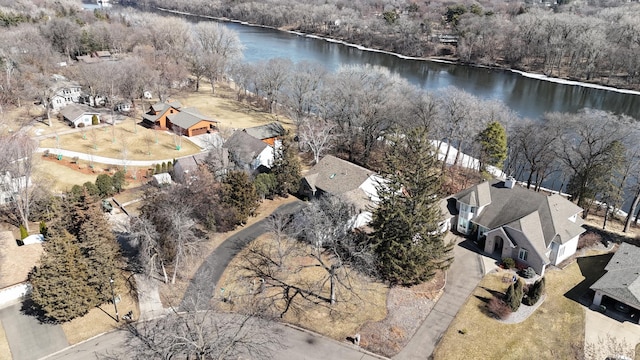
x,y
596,43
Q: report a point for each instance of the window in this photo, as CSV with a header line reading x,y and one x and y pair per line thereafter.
x,y
473,209
560,250
522,255
463,223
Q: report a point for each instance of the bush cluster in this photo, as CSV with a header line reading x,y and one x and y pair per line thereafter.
x,y
528,273
514,295
589,239
508,263
534,293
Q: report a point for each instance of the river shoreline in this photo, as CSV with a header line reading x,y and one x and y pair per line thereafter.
x,y
530,75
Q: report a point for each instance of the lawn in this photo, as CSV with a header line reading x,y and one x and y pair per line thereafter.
x,y
139,143
554,331
365,302
224,107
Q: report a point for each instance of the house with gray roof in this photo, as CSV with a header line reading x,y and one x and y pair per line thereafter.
x,y
269,133
79,115
64,92
533,228
185,121
621,282
355,184
249,153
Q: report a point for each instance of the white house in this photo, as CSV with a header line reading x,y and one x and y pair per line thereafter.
x,y
533,228
354,183
248,152
79,115
10,187
64,92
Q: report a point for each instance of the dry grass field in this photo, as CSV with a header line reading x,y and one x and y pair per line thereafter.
x,y
554,331
102,318
113,142
366,302
16,261
224,107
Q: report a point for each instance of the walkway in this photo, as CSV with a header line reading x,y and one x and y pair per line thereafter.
x,y
204,282
148,297
462,278
106,160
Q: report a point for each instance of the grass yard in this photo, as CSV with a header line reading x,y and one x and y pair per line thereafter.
x,y
141,144
365,303
102,318
224,107
554,331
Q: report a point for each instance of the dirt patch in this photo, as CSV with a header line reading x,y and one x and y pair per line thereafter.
x,y
16,261
407,308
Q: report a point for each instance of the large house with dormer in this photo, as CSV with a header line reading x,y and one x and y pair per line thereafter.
x,y
531,227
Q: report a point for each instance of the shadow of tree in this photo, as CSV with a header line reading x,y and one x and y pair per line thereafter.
x,y
30,308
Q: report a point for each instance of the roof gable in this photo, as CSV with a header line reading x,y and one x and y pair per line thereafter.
x,y
72,112
622,279
244,147
337,176
266,131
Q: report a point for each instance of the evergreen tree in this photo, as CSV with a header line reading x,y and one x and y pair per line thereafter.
x,y
23,232
97,243
266,185
118,180
61,282
91,188
240,194
286,168
514,295
405,223
104,183
493,142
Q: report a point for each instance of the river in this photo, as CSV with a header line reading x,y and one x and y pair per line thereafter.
x,y
528,97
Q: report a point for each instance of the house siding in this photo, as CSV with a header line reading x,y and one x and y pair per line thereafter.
x,y
569,248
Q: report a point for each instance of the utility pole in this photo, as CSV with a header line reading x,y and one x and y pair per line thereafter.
x,y
113,298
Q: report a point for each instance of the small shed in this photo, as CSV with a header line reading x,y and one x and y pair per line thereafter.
x,y
160,180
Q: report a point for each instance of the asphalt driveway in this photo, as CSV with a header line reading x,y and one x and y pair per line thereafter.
x,y
203,284
28,338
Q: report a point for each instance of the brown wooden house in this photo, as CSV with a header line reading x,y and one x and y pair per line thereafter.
x,y
185,121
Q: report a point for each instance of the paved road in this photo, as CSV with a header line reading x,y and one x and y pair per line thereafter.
x,y
28,338
463,276
207,276
299,345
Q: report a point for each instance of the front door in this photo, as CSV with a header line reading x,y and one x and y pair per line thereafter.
x,y
497,245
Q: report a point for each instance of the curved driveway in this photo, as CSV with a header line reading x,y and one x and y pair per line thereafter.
x,y
204,282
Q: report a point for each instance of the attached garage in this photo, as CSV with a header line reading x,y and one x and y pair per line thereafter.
x,y
620,285
190,122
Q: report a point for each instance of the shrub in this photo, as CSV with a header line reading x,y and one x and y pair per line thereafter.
x,y
23,232
589,239
508,263
81,125
498,308
535,293
163,168
158,169
528,273
43,228
514,295
94,120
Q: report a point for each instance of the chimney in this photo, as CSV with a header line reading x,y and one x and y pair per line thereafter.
x,y
510,182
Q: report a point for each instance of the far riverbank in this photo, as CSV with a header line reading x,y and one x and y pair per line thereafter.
x,y
530,75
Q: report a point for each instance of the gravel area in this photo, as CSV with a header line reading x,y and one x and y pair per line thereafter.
x,y
407,307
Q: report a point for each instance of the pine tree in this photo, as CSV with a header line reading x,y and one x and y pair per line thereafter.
x,y
61,281
119,181
286,168
514,295
104,183
493,141
240,194
97,243
407,242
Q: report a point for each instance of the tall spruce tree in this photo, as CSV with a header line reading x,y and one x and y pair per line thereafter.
x,y
240,194
61,285
405,223
493,142
286,168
